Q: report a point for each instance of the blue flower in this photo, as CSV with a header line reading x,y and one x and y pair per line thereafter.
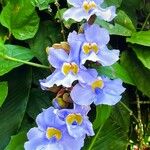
x,y
84,9
51,134
94,41
77,121
67,66
100,91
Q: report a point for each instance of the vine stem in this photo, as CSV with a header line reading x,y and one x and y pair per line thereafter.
x,y
25,62
145,21
61,20
130,111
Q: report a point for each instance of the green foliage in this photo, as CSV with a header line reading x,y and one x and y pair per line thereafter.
x,y
122,26
17,142
4,92
13,110
20,18
11,51
28,27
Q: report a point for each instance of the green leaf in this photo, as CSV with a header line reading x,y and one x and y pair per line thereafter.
x,y
59,15
116,71
13,110
141,38
14,52
38,100
138,72
102,114
123,25
17,142
20,18
48,34
113,134
143,54
116,3
42,4
3,92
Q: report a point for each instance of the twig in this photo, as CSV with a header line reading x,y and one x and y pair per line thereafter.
x,y
144,24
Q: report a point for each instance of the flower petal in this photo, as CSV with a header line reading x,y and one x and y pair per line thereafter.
x,y
55,78
82,95
95,34
107,14
107,99
76,13
108,57
75,3
57,57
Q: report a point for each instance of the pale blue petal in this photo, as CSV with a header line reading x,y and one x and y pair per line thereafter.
x,y
56,146
107,14
95,34
57,57
40,122
108,57
75,3
34,133
87,125
55,78
34,144
113,87
107,99
98,2
82,95
76,131
91,57
93,72
76,14
82,109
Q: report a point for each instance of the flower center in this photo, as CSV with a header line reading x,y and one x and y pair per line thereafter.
x,y
87,47
70,67
74,119
88,5
53,132
98,84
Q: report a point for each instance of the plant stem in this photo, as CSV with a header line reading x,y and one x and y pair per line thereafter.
x,y
130,111
145,22
25,62
140,125
61,20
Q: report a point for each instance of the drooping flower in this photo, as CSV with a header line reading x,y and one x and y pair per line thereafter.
x,y
94,46
101,90
84,9
77,121
51,134
67,66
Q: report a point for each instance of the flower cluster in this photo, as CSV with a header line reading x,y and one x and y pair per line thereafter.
x,y
65,125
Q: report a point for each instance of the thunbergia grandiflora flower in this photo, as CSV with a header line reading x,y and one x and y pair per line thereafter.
x,y
94,46
64,127
101,90
67,66
84,9
51,134
77,121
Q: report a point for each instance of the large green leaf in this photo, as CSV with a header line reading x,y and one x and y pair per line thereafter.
x,y
20,18
3,92
48,34
42,4
113,134
123,25
13,109
142,38
13,52
17,142
139,74
38,100
116,3
143,54
102,114
116,71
